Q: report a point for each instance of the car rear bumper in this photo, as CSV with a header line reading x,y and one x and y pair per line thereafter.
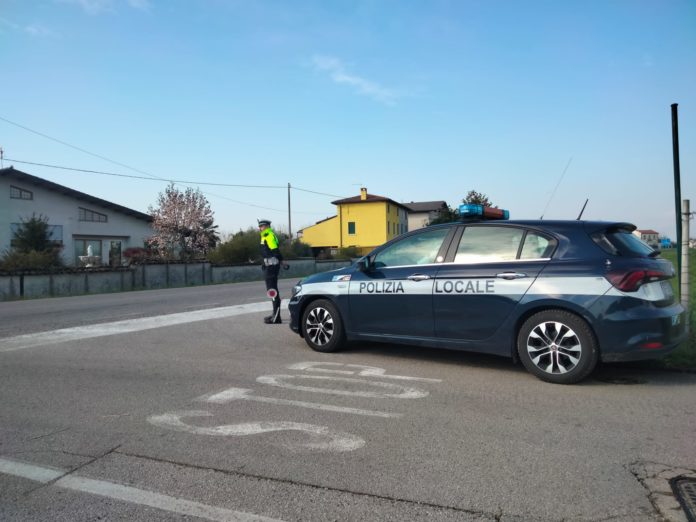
x,y
642,333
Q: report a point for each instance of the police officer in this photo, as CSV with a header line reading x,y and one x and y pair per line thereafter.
x,y
272,261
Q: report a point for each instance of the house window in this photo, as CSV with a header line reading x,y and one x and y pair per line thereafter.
x,y
351,227
91,215
54,233
19,193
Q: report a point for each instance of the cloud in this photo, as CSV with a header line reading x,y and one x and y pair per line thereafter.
x,y
92,7
39,31
338,73
143,5
36,30
4,23
95,7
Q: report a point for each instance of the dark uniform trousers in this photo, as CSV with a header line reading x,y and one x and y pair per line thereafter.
x,y
271,275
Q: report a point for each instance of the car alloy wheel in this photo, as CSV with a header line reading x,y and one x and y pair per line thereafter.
x,y
554,347
319,326
322,327
557,346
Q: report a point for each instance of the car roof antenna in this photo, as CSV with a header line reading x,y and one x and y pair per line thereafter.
x,y
583,209
556,187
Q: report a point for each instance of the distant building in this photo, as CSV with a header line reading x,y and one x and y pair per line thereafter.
x,y
421,214
649,236
80,223
364,222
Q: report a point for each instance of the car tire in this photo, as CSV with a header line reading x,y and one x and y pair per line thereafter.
x,y
557,346
322,326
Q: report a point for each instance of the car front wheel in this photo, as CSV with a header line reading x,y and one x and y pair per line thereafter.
x,y
322,327
557,346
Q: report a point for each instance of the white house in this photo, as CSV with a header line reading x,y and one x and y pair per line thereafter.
x,y
420,214
79,222
650,237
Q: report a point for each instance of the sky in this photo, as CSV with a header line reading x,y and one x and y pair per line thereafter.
x,y
540,105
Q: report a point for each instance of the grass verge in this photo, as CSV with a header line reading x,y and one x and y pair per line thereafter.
x,y
684,357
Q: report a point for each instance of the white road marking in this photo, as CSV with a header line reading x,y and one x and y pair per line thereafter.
x,y
397,391
29,471
22,342
367,371
337,441
232,394
126,493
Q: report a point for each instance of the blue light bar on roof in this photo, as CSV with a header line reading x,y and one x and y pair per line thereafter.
x,y
475,210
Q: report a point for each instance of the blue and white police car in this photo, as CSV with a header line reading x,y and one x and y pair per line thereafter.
x,y
557,295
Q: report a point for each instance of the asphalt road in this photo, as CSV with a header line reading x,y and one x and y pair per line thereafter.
x,y
177,404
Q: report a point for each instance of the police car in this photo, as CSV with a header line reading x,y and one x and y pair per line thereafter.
x,y
556,295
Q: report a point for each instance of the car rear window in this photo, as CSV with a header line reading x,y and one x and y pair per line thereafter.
x,y
621,242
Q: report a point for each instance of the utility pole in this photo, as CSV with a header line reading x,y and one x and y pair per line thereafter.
x,y
289,219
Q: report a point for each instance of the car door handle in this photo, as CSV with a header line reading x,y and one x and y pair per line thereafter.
x,y
418,277
510,275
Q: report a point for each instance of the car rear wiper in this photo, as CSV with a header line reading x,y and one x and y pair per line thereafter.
x,y
654,253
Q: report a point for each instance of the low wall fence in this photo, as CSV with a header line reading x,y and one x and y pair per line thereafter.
x,y
145,277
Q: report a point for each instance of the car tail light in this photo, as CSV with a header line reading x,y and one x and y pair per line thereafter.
x,y
652,345
632,280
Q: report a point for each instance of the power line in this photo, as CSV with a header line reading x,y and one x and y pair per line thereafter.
x,y
248,204
556,187
149,175
315,192
175,181
143,177
80,149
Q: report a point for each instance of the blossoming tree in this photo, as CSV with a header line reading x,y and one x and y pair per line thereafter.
x,y
183,224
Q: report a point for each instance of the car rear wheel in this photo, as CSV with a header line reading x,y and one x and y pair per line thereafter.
x,y
322,327
557,346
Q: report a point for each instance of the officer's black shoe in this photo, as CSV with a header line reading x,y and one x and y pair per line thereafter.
x,y
269,320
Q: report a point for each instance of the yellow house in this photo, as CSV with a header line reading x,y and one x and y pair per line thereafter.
x,y
364,222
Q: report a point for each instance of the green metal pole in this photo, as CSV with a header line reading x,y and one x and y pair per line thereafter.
x,y
677,189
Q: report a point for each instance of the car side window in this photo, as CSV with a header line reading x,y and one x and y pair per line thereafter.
x,y
419,249
488,244
536,246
